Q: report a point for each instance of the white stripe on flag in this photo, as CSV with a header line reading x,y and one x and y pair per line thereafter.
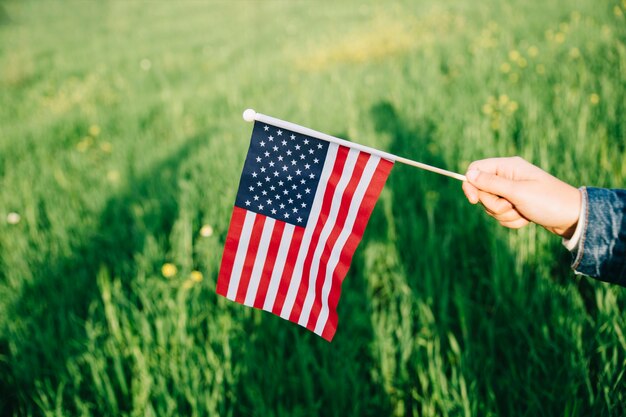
x,y
281,257
296,277
259,261
240,256
359,193
346,175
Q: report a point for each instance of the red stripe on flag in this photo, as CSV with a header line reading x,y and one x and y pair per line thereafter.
x,y
290,262
344,207
270,259
230,249
253,247
342,154
367,206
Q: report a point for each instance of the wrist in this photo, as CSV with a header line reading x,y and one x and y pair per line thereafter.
x,y
571,214
572,243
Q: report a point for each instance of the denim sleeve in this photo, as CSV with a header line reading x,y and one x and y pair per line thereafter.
x,y
602,248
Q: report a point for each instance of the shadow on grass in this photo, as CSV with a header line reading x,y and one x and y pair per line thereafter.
x,y
512,323
53,306
4,16
289,371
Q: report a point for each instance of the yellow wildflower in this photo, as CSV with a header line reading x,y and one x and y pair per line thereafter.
x,y
522,62
574,53
505,67
206,231
503,99
195,276
594,99
512,107
541,69
533,51
113,176
169,270
514,55
559,37
106,147
94,130
84,144
618,12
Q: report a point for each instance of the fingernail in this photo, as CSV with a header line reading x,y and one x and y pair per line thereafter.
x,y
472,174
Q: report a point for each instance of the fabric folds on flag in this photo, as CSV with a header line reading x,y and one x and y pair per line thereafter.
x,y
300,212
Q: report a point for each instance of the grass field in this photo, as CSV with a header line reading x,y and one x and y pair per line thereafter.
x,y
121,146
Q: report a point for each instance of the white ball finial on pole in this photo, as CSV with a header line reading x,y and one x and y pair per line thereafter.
x,y
249,115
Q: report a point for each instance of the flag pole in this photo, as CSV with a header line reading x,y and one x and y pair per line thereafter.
x,y
250,115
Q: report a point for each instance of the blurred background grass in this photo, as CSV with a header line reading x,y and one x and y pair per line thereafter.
x,y
121,145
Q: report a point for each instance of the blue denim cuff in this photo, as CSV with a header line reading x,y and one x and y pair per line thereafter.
x,y
602,249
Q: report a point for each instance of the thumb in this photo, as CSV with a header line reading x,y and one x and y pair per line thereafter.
x,y
490,183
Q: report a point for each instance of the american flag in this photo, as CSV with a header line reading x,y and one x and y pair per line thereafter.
x,y
300,212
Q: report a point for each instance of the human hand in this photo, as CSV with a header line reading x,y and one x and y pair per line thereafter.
x,y
516,192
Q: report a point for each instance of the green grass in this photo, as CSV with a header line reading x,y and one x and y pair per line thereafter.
x,y
121,136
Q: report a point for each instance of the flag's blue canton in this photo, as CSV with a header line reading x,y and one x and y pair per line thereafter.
x,y
281,174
